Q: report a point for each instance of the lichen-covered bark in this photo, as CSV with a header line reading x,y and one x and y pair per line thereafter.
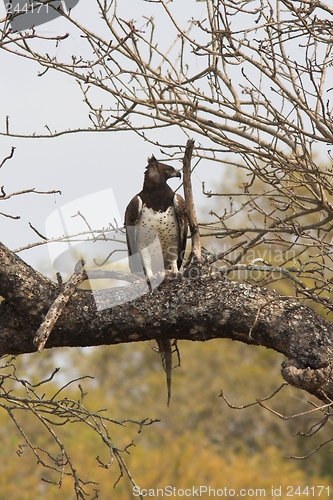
x,y
199,307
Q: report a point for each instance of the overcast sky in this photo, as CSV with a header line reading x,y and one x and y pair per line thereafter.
x,y
77,164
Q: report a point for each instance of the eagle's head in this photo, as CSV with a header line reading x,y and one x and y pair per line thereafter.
x,y
158,173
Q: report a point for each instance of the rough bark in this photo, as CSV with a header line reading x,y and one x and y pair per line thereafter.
x,y
199,307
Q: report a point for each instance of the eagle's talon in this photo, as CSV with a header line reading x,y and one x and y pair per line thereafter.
x,y
171,275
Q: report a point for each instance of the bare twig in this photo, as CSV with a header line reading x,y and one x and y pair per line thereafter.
x,y
8,157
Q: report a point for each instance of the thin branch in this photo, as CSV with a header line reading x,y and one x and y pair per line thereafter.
x,y
8,157
189,200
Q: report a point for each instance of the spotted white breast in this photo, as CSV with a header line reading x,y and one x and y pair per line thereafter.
x,y
158,234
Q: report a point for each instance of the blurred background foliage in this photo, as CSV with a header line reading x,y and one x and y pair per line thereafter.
x,y
199,439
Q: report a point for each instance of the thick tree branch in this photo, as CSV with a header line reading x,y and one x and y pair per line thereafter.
x,y
200,307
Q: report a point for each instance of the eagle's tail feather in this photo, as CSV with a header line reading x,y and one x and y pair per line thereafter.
x,y
165,350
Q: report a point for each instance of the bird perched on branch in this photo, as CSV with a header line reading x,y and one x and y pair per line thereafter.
x,y
156,230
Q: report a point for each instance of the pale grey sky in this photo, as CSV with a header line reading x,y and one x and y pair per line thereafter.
x,y
77,164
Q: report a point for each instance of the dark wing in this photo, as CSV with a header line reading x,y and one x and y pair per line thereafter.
x,y
181,214
132,217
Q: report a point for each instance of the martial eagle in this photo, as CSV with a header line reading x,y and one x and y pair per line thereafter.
x,y
156,230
